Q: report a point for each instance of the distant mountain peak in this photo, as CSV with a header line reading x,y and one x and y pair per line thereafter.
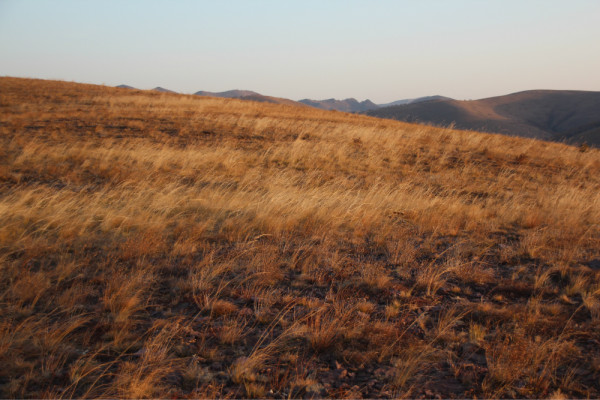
x,y
161,89
352,105
346,105
233,94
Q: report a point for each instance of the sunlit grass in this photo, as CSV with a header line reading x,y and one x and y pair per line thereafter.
x,y
160,245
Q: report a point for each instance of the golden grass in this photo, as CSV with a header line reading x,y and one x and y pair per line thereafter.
x,y
162,245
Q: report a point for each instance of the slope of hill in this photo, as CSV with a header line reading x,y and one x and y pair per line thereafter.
x,y
352,105
161,89
347,105
248,95
163,245
413,101
569,116
232,94
125,87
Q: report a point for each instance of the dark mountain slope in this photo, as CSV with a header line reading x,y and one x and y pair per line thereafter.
x,y
558,115
413,101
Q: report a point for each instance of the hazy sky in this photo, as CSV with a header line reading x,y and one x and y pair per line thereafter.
x,y
383,50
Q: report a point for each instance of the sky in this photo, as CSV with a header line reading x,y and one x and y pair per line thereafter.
x,y
383,50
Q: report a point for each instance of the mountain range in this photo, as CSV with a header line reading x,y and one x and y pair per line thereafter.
x,y
557,115
347,105
353,105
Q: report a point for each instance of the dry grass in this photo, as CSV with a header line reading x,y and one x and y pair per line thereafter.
x,y
161,245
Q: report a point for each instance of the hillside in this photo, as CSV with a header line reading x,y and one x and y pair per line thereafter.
x,y
413,101
352,105
162,89
248,95
163,245
563,116
347,105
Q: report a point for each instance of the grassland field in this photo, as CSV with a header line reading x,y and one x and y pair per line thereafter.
x,y
163,245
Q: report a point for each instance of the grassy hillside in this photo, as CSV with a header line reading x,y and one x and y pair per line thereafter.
x,y
558,115
162,245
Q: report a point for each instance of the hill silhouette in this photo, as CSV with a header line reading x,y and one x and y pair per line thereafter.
x,y
413,101
162,89
347,105
353,105
557,115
